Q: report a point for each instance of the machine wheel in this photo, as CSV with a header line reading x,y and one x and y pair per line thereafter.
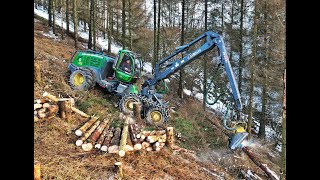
x,y
156,116
126,103
82,79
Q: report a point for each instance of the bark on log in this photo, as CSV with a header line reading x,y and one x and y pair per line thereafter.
x,y
124,137
133,135
106,143
50,96
37,74
84,128
177,148
103,134
96,134
115,141
79,112
37,171
52,109
169,134
136,111
272,175
65,109
40,101
80,141
37,106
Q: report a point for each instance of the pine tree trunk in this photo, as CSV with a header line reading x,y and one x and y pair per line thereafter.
x,y
93,24
204,58
154,35
158,31
104,19
231,30
252,67
123,24
284,133
130,24
50,13
90,24
110,26
180,90
62,19
67,16
75,23
240,48
54,17
262,127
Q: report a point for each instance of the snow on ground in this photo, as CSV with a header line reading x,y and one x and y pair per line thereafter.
x,y
85,35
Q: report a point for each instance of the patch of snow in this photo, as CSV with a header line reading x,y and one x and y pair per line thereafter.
x,y
187,92
85,35
147,67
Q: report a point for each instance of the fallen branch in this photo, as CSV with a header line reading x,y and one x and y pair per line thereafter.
x,y
79,112
272,175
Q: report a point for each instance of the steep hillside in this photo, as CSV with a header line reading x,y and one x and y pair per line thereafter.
x,y
60,158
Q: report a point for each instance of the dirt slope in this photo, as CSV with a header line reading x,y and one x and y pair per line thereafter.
x,y
60,158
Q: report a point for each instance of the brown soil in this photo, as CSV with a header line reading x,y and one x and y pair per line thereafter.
x,y
60,158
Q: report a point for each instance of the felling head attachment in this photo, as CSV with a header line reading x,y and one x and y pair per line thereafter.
x,y
237,138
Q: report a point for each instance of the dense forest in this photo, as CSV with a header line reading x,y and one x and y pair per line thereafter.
x,y
253,31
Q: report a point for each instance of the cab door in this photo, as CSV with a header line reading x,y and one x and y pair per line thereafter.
x,y
120,72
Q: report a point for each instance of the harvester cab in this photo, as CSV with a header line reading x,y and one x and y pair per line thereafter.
x,y
128,67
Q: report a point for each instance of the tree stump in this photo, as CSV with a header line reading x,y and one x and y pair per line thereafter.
x,y
169,134
37,74
65,109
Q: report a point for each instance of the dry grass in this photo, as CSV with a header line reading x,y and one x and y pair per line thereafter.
x,y
60,158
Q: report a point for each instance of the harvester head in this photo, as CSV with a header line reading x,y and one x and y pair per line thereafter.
x,y
237,138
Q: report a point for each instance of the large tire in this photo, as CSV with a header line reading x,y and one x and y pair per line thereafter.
x,y
156,116
126,103
82,79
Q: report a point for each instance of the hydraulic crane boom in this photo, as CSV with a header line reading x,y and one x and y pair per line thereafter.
x,y
212,40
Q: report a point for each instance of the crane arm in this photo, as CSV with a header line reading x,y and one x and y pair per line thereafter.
x,y
212,40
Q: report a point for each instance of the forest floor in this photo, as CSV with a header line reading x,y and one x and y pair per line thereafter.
x,y
60,158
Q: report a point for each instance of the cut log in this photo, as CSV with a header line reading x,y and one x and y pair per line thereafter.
x,y
145,145
37,106
177,148
37,171
149,148
106,143
115,141
42,113
65,109
162,138
119,169
87,146
50,96
80,141
124,137
35,119
133,135
83,128
40,101
161,145
169,134
45,105
271,174
96,134
104,134
79,112
156,146
35,113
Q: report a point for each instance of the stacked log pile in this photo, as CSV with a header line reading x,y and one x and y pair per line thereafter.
x,y
49,106
44,109
100,135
